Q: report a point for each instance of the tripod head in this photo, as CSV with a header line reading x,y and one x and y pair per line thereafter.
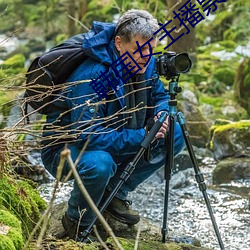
x,y
174,89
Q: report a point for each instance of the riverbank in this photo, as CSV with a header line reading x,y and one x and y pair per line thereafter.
x,y
188,215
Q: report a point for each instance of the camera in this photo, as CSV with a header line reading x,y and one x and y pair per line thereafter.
x,y
172,65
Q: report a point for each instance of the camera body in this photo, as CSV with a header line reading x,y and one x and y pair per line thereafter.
x,y
172,65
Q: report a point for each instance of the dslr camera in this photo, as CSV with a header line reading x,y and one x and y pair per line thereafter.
x,y
172,65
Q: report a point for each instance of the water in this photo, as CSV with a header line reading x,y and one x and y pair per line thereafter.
x,y
188,215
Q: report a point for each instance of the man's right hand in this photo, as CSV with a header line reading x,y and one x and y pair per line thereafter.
x,y
164,128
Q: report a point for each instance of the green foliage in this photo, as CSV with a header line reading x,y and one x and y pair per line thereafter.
x,y
229,23
13,66
224,75
16,61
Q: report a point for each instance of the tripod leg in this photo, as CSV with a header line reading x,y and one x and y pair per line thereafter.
x,y
168,173
129,169
199,177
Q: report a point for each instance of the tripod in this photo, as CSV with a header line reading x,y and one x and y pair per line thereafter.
x,y
129,169
173,90
169,163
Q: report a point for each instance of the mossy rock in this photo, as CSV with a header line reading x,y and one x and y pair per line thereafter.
x,y
219,107
22,200
10,231
232,139
128,244
231,169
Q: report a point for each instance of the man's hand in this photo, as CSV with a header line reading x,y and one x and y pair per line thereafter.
x,y
164,128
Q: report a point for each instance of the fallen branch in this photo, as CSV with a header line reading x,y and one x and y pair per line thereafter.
x,y
66,154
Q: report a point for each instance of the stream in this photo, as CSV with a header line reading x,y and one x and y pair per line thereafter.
x,y
187,212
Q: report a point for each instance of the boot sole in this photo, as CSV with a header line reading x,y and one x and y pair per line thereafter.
x,y
121,219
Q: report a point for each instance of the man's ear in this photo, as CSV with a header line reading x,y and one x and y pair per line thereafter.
x,y
118,43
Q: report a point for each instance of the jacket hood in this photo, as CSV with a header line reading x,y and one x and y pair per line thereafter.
x,y
98,42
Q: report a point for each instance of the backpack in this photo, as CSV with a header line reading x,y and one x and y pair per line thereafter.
x,y
48,73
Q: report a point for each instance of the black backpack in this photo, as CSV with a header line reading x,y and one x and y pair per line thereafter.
x,y
48,73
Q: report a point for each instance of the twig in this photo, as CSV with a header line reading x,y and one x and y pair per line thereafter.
x,y
45,217
99,238
77,21
66,154
137,236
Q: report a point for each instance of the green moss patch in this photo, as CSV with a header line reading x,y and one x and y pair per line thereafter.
x,y
22,200
10,231
231,138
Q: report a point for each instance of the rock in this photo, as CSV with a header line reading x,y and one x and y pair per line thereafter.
x,y
188,95
197,125
229,140
231,169
181,179
227,110
149,238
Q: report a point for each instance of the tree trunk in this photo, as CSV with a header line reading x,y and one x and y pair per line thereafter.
x,y
187,43
83,7
72,14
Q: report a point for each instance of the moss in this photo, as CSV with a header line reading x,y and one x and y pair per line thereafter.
x,y
225,75
229,45
10,220
236,125
212,100
128,244
22,200
219,103
13,239
16,237
6,243
221,132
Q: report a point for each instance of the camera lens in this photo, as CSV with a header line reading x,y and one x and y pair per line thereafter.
x,y
182,63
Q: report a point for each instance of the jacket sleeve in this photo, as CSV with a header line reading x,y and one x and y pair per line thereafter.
x,y
88,123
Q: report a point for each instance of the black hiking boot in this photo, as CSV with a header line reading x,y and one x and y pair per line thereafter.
x,y
121,211
75,231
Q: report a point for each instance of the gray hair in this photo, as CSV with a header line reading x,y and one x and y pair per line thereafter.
x,y
136,22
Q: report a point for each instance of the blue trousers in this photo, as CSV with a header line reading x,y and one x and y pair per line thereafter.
x,y
100,170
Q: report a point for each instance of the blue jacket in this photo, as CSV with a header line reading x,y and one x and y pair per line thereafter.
x,y
80,99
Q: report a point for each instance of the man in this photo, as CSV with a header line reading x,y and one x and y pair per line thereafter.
x,y
111,129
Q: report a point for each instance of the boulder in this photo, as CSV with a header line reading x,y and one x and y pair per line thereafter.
x,y
232,139
197,125
231,169
150,235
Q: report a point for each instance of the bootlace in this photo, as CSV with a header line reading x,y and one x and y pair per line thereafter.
x,y
127,203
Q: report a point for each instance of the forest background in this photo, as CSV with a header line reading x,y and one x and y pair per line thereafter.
x,y
217,44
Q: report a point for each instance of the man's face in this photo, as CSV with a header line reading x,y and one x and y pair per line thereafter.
x,y
131,46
